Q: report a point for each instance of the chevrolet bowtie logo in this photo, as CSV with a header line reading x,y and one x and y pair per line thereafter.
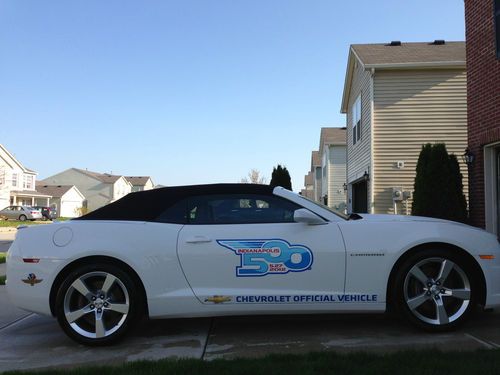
x,y
218,299
32,280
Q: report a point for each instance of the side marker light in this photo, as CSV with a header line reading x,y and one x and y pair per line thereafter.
x,y
31,260
487,257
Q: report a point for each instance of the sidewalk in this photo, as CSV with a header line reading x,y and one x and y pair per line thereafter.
x,y
7,230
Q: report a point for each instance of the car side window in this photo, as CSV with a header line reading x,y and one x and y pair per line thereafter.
x,y
240,209
175,214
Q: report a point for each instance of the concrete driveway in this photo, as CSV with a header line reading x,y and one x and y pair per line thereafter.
x,y
32,341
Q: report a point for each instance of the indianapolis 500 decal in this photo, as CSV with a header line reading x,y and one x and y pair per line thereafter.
x,y
264,257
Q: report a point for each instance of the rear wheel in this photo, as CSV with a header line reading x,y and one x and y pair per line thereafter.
x,y
436,290
22,217
96,305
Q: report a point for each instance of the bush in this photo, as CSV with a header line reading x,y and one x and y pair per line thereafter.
x,y
438,189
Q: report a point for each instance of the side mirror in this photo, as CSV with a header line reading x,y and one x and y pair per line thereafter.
x,y
307,217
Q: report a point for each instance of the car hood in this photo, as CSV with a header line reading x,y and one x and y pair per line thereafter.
x,y
405,218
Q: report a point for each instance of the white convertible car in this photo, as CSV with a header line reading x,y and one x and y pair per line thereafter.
x,y
228,249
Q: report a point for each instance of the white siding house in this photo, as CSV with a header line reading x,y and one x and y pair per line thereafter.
x,y
66,199
332,149
17,183
140,183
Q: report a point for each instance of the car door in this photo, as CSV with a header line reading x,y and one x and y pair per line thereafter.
x,y
247,249
10,212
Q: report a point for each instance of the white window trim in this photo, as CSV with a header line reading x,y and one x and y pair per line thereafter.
x,y
356,114
490,188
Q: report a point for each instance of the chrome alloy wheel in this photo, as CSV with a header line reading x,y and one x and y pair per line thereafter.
x,y
96,304
437,291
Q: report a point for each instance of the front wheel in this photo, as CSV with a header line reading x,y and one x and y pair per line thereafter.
x,y
436,290
96,305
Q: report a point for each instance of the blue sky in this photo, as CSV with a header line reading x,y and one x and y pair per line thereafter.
x,y
188,91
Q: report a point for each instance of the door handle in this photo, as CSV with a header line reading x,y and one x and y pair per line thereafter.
x,y
198,239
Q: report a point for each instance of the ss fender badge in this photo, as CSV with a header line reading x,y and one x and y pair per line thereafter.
x,y
32,280
218,299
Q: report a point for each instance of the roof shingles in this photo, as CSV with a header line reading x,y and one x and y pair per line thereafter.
x,y
372,55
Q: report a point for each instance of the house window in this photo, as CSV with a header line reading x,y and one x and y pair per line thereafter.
x,y
14,179
497,26
28,182
356,120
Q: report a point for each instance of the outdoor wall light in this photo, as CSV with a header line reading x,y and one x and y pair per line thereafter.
x,y
468,157
345,186
366,176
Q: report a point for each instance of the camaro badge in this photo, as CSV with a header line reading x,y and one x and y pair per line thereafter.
x,y
32,280
218,299
263,257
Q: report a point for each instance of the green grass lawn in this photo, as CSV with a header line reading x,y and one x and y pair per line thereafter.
x,y
16,223
401,363
2,257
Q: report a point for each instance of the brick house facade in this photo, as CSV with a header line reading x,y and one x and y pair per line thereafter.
x,y
483,97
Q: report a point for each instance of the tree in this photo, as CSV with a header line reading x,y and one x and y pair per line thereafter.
x,y
254,177
281,177
438,189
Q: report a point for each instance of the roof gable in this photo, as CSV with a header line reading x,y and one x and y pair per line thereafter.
x,y
138,180
419,55
13,161
332,136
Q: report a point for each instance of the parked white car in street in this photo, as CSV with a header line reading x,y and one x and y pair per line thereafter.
x,y
242,249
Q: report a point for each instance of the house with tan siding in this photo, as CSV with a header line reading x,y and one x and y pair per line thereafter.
x,y
397,97
98,189
308,190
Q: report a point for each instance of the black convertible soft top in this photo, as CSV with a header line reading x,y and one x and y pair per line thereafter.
x,y
148,205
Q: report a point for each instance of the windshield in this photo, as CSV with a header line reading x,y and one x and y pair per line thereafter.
x,y
332,210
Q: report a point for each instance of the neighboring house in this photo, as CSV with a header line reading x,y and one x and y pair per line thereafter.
x,y
332,151
17,183
316,171
66,199
308,190
482,21
98,189
140,183
397,97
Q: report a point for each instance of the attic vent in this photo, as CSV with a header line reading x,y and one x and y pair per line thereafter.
x,y
59,186
394,43
439,42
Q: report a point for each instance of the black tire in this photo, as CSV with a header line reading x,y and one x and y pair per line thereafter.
x,y
438,304
22,217
80,329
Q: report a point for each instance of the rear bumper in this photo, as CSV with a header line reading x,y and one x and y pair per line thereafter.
x,y
25,292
